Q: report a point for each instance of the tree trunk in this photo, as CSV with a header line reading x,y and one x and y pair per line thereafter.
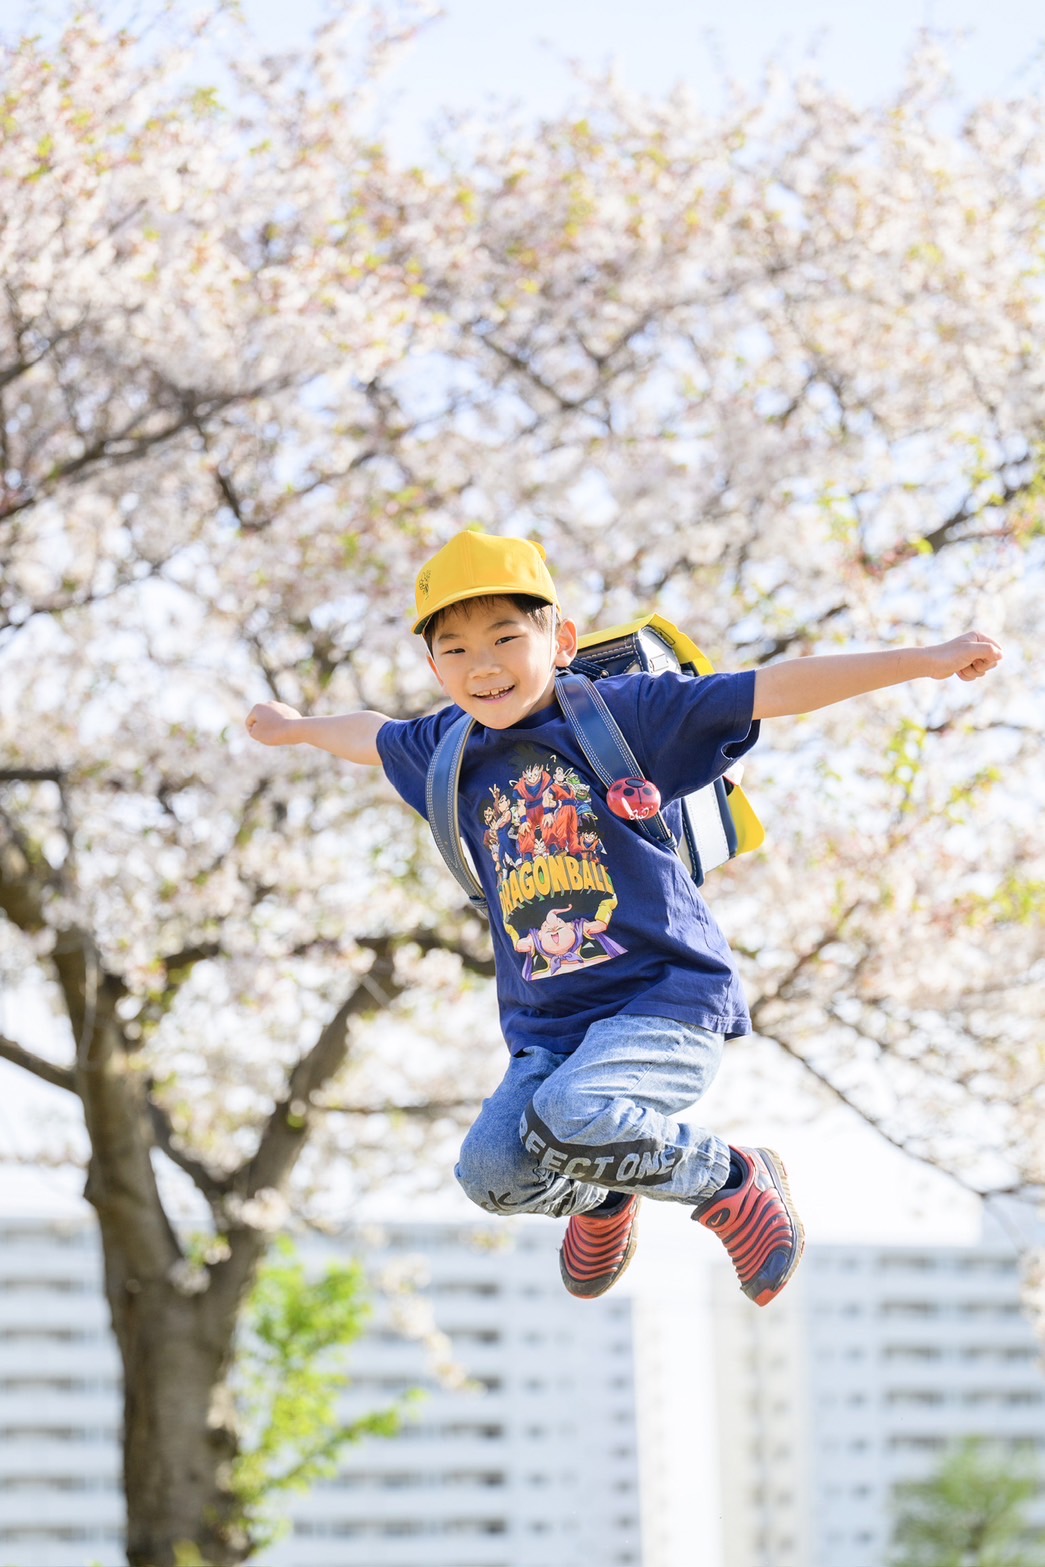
x,y
175,1344
179,1438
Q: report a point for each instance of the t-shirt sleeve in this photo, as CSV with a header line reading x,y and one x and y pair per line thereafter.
x,y
691,729
406,746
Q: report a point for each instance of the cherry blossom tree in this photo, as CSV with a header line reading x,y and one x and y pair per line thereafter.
x,y
771,369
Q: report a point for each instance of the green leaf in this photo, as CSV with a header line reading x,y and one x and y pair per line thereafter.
x,y
970,1513
292,1367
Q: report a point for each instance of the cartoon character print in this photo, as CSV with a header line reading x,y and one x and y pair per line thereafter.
x,y
532,788
499,838
561,943
555,890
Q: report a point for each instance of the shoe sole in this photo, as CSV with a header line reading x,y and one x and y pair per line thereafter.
x,y
592,1289
775,1165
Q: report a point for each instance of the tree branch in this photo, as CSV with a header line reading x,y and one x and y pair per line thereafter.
x,y
944,533
186,958
762,652
785,986
431,941
48,1071
32,775
286,1131
121,1185
213,1187
426,1111
870,1120
940,536
28,361
513,358
287,1127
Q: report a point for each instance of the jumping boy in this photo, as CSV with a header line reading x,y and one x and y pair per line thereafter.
x,y
616,987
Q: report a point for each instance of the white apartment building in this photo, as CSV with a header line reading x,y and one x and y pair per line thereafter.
x,y
538,1469
868,1366
768,1438
534,1466
60,1498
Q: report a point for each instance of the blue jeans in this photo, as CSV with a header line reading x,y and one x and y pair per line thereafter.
x,y
561,1132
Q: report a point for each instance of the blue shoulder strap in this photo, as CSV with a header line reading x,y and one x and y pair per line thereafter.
x,y
441,786
598,734
599,737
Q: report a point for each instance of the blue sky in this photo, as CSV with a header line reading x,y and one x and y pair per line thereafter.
x,y
484,50
488,51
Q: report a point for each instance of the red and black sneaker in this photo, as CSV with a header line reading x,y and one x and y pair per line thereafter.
x,y
757,1223
597,1248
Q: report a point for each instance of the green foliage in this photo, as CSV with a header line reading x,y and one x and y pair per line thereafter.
x,y
838,512
970,1513
186,1554
1017,900
906,760
1028,512
291,1372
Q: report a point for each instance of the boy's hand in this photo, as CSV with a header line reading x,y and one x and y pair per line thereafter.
x,y
272,723
968,656
352,736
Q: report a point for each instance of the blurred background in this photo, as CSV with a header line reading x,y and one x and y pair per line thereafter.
x,y
739,315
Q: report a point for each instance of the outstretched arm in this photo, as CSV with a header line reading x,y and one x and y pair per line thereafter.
x,y
352,736
801,685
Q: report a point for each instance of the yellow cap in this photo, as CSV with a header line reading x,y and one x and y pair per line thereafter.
x,y
481,565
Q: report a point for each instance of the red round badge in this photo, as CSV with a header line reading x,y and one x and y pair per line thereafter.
x,y
633,798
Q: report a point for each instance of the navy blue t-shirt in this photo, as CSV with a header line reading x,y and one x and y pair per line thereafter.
x,y
589,918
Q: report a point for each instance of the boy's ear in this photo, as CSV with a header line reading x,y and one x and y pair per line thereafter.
x,y
435,671
566,644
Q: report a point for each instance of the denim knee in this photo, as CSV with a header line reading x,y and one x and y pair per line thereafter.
x,y
569,1116
492,1176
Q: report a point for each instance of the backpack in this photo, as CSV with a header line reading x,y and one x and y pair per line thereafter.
x,y
718,821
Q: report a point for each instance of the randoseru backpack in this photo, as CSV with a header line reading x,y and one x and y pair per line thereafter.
x,y
718,821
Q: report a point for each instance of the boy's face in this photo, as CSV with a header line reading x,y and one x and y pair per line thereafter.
x,y
496,663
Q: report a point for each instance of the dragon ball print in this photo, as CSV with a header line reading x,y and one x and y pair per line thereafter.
x,y
554,887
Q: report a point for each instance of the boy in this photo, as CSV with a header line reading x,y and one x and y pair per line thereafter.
x,y
616,988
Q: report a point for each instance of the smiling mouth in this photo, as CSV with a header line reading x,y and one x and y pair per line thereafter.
x,y
491,696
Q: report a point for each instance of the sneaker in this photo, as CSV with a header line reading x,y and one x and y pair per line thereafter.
x,y
757,1224
597,1249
